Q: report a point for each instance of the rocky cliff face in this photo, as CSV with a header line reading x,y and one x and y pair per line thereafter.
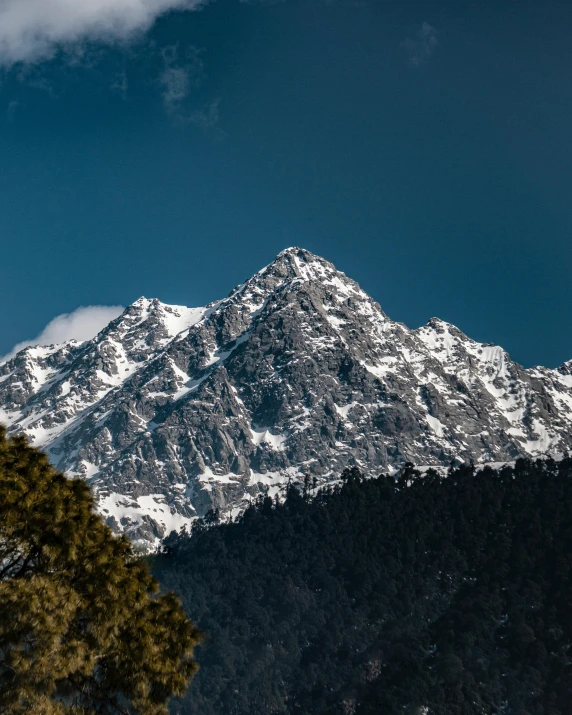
x,y
172,410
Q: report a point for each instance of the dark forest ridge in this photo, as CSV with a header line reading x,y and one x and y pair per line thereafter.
x,y
433,596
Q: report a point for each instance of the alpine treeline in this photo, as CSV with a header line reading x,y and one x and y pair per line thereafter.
x,y
446,595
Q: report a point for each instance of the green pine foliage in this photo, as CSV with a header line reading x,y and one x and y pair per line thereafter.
x,y
450,596
81,627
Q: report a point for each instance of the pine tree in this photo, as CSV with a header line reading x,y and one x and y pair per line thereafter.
x,y
82,629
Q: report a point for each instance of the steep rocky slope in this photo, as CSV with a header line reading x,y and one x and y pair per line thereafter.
x,y
172,410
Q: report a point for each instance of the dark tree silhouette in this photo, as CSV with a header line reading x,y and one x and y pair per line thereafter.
x,y
447,595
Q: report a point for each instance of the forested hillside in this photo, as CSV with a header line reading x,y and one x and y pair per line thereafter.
x,y
442,595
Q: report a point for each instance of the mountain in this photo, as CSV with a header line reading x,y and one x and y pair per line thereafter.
x,y
170,411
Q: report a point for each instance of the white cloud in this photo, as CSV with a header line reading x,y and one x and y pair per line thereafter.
x,y
423,46
179,76
176,85
12,109
31,30
207,118
83,324
120,84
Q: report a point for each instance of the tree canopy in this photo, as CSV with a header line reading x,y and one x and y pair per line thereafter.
x,y
423,594
82,629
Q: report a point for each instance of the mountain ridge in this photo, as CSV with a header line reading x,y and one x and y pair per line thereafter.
x,y
170,410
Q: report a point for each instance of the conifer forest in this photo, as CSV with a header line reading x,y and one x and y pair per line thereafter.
x,y
426,594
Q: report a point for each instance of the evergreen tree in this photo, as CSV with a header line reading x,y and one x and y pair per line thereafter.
x,y
416,594
82,629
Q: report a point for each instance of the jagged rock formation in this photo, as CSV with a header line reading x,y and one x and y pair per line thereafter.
x,y
172,410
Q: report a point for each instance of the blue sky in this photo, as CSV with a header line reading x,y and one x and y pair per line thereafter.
x,y
423,147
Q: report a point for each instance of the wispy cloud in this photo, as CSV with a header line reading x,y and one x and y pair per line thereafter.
x,y
12,109
207,118
120,84
179,76
181,73
31,30
422,47
82,324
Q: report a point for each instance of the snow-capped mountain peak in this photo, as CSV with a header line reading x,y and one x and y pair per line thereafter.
x,y
171,410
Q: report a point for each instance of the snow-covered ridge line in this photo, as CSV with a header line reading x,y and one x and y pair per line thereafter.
x,y
171,410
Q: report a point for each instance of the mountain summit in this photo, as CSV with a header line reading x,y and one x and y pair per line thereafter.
x,y
170,411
